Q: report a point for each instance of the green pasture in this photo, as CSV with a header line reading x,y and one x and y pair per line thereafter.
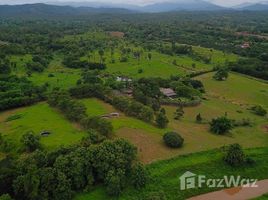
x,y
237,89
56,75
38,118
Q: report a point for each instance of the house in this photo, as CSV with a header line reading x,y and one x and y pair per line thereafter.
x,y
168,92
110,115
127,92
123,79
246,45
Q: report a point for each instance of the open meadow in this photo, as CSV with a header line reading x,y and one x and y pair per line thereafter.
x,y
36,119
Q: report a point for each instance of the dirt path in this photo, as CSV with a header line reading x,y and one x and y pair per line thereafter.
x,y
238,193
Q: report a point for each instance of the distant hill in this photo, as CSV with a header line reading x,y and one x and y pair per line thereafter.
x,y
187,5
257,7
43,10
263,6
172,5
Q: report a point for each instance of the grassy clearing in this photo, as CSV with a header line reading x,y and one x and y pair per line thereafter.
x,y
237,89
217,57
36,119
160,65
165,175
56,75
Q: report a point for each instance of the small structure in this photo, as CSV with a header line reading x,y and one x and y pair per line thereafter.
x,y
168,92
127,92
246,45
45,133
123,79
110,115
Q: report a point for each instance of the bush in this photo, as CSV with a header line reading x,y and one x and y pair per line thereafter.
x,y
221,125
235,155
198,118
259,110
173,140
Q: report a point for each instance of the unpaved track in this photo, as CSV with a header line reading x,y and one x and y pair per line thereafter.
x,y
238,193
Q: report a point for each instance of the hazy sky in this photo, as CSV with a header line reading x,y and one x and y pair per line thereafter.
x,y
140,2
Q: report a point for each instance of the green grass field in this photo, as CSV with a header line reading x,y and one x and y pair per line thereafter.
x,y
62,77
160,65
38,118
238,89
165,175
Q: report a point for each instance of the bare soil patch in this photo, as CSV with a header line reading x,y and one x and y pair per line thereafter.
x,y
117,34
236,193
265,128
150,146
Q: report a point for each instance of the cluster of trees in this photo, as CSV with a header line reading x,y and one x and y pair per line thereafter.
x,y
16,92
38,64
4,66
176,49
59,174
252,67
76,111
133,108
147,90
75,62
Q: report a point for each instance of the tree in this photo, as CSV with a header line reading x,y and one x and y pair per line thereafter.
x,y
4,67
30,142
179,113
235,155
221,74
139,176
221,125
149,56
115,182
101,53
26,186
161,120
173,140
198,118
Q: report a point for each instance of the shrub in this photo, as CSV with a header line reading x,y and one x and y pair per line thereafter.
x,y
221,125
235,155
199,118
259,110
173,140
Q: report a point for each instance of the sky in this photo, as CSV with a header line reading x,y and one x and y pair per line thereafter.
x,y
137,2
